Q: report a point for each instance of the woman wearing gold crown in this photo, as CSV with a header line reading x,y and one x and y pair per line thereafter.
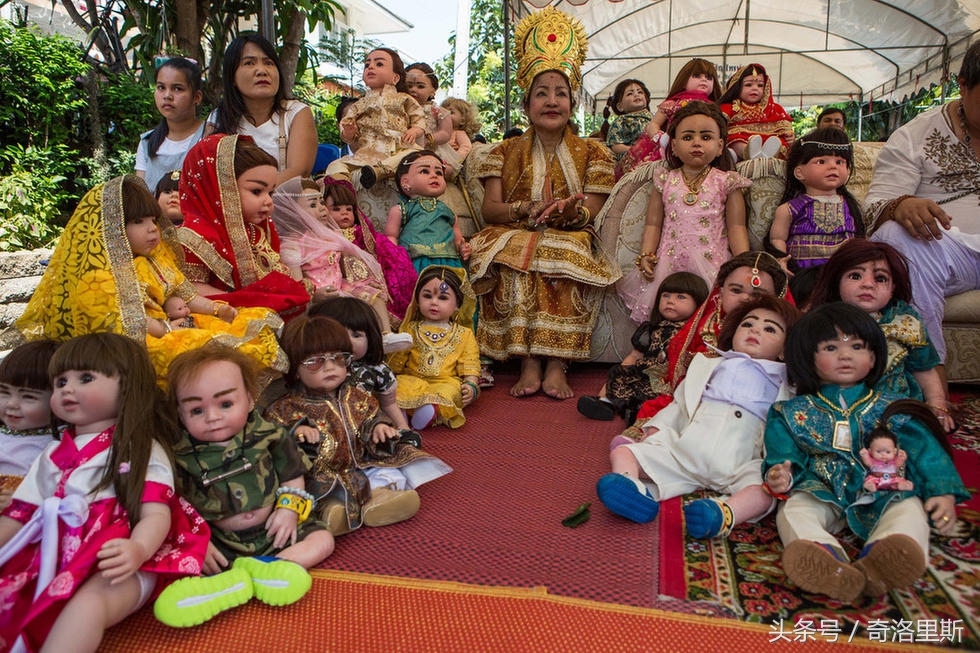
x,y
538,269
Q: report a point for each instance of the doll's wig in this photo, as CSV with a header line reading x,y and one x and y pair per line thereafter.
x,y
307,336
788,313
853,253
354,315
820,324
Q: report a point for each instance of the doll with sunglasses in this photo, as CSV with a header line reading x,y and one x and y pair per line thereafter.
x,y
362,473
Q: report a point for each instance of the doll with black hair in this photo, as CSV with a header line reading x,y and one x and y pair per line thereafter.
x,y
438,377
885,462
817,213
422,223
835,355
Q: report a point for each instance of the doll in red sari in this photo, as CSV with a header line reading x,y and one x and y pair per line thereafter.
x,y
738,280
230,244
757,125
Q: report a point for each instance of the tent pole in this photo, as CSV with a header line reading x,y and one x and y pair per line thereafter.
x,y
506,25
860,113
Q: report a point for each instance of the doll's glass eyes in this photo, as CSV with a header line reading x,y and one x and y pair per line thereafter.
x,y
314,363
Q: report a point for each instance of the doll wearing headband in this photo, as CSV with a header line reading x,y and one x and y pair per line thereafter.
x,y
757,125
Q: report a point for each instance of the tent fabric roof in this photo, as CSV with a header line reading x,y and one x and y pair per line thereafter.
x,y
815,51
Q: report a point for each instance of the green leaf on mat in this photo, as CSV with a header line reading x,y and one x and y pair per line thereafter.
x,y
579,517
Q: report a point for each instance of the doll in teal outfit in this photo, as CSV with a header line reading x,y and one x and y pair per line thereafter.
x,y
422,223
835,355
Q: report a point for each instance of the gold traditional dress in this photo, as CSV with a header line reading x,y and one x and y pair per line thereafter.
x,y
541,290
93,283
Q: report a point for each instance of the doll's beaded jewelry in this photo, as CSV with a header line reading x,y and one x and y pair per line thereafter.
x,y
299,501
640,257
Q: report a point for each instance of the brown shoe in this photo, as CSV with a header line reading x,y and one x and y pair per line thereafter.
x,y
389,506
334,515
815,569
893,562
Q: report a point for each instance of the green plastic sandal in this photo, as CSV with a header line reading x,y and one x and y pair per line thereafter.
x,y
193,600
276,581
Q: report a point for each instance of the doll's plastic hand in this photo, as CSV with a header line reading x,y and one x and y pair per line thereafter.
x,y
307,434
942,512
865,457
467,393
869,484
464,250
214,561
648,266
121,557
901,458
411,135
227,313
779,478
784,264
383,432
281,527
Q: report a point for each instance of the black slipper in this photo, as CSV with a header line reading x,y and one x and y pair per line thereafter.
x,y
595,408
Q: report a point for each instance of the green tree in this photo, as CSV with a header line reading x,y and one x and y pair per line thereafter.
x,y
485,79
348,52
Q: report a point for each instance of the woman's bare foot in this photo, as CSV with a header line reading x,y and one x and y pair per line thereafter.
x,y
530,381
555,382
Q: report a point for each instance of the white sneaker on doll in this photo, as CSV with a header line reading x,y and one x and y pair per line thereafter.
x,y
771,147
754,146
393,342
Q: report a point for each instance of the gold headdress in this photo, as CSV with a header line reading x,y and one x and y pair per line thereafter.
x,y
550,40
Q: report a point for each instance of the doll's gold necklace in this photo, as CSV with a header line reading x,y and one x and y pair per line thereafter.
x,y
694,185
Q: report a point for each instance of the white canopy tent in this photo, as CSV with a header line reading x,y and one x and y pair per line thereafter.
x,y
816,51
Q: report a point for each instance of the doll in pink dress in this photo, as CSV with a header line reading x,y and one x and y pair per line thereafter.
x,y
696,214
885,463
757,125
95,526
697,80
400,275
313,244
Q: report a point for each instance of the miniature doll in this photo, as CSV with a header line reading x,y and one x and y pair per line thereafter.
x,y
178,312
885,463
382,126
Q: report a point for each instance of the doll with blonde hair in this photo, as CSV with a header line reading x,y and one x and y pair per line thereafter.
x,y
466,125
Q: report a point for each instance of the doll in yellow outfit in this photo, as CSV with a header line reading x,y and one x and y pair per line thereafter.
x,y
438,377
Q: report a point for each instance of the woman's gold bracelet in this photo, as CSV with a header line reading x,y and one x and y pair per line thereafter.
x,y
893,206
644,255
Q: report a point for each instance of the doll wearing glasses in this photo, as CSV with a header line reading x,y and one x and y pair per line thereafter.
x,y
362,473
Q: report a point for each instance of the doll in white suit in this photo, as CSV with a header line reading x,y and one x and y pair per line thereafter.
x,y
711,435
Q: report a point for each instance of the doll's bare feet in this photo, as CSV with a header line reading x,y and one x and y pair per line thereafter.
x,y
555,382
530,381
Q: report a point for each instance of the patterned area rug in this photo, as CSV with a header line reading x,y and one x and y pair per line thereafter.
x,y
743,574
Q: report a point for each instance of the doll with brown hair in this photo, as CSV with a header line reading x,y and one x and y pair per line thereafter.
x,y
885,462
382,126
111,480
245,476
710,436
25,410
696,80
757,124
362,471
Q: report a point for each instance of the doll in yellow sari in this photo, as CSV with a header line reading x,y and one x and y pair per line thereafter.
x,y
113,269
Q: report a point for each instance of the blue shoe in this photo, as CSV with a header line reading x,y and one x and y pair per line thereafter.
x,y
276,581
621,496
193,600
707,518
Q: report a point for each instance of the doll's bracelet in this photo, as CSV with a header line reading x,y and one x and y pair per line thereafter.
x,y
294,499
774,495
640,257
476,388
216,305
